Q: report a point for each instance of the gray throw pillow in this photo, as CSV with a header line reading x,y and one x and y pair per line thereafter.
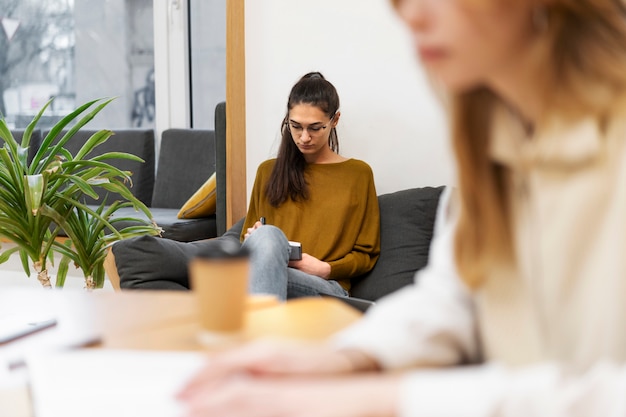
x,y
407,220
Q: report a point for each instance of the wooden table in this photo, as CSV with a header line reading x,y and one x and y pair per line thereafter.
x,y
152,320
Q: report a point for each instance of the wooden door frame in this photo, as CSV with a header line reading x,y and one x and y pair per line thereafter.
x,y
236,188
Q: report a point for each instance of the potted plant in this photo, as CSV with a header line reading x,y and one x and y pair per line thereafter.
x,y
40,198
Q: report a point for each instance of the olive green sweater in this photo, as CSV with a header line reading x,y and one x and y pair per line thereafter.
x,y
338,224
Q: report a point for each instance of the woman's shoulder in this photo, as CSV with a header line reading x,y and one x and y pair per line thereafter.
x,y
358,165
266,165
352,170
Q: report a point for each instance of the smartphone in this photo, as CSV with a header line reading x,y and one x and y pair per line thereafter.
x,y
295,251
12,328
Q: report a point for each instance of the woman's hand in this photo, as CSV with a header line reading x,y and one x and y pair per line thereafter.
x,y
312,266
252,229
274,359
249,395
280,358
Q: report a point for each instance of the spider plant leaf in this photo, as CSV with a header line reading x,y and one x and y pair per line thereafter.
x,y
117,155
98,181
84,186
14,172
96,139
98,274
137,230
46,144
25,261
53,167
7,136
5,132
28,132
72,166
34,186
53,214
79,124
19,151
22,157
81,206
63,268
7,254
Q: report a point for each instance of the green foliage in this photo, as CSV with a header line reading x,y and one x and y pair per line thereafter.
x,y
39,199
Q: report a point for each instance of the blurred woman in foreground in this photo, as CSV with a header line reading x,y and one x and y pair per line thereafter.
x,y
526,284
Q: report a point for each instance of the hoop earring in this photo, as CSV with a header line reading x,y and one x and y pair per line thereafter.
x,y
540,19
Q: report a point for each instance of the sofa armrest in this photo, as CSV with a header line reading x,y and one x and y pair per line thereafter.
x,y
149,262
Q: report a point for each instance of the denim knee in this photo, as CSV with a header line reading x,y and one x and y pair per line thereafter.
x,y
268,241
269,258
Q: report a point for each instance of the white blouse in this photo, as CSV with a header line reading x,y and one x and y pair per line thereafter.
x,y
430,329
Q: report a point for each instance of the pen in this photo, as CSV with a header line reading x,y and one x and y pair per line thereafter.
x,y
90,341
262,220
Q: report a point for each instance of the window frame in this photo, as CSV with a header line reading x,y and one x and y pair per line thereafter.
x,y
171,65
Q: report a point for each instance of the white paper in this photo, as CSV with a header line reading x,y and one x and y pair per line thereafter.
x,y
105,383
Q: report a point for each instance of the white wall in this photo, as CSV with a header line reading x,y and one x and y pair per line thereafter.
x,y
389,116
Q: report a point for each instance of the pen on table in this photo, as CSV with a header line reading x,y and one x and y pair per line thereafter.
x,y
262,220
90,341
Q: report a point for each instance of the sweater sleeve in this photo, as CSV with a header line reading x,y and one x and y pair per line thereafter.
x,y
366,249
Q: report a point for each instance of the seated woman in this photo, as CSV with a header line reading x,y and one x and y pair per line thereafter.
x,y
312,195
308,194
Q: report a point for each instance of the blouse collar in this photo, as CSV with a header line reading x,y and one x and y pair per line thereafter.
x,y
556,144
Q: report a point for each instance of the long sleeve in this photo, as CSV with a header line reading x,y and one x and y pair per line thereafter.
x,y
534,391
364,225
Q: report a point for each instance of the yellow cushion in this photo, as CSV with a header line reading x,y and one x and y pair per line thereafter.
x,y
201,203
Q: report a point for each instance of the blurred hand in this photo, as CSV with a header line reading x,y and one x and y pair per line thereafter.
x,y
251,230
274,359
312,266
371,395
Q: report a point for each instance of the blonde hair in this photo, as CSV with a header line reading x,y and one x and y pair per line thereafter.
x,y
583,51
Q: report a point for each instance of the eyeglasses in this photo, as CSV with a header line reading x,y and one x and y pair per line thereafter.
x,y
314,129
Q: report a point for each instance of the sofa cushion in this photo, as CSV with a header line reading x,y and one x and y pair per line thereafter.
x,y
407,219
202,203
186,160
149,262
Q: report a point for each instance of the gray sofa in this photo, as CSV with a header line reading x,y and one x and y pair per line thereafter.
x,y
187,158
407,221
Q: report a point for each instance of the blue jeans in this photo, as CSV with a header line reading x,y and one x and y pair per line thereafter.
x,y
270,273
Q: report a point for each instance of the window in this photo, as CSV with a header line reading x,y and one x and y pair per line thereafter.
x,y
207,21
78,51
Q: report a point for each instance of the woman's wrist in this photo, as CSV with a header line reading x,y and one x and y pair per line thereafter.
x,y
326,269
359,361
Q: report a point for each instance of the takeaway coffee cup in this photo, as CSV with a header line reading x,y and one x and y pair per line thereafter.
x,y
219,279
